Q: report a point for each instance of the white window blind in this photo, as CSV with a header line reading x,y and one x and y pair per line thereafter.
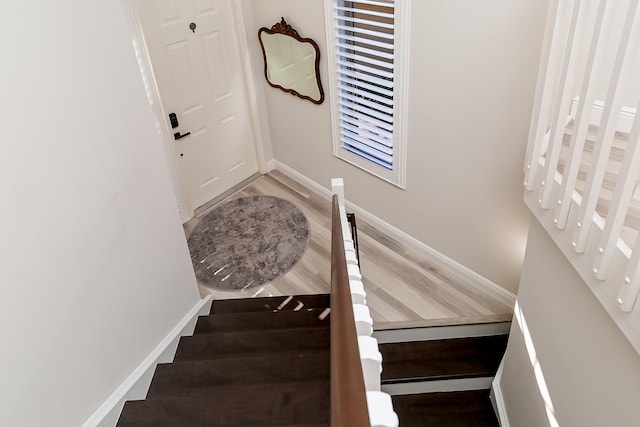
x,y
365,84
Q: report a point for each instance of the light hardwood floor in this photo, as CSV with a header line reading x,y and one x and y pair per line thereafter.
x,y
404,288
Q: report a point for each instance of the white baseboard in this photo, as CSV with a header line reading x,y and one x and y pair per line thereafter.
x,y
497,398
136,385
302,179
270,165
399,235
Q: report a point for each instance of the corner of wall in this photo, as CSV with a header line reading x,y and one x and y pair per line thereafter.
x,y
270,165
497,399
253,76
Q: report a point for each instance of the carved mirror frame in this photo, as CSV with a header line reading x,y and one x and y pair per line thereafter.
x,y
285,29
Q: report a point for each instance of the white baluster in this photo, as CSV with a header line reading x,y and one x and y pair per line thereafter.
x,y
354,272
628,292
351,257
371,362
363,320
349,247
358,294
381,413
630,288
346,236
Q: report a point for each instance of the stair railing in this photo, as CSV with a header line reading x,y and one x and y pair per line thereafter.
x,y
348,394
587,94
356,362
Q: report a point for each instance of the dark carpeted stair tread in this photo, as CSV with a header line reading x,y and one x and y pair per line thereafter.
x,y
224,344
178,377
279,303
248,390
442,359
455,409
262,320
251,405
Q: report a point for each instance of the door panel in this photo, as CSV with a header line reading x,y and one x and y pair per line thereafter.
x,y
218,73
196,70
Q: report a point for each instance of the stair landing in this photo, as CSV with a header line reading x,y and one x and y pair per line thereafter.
x,y
406,286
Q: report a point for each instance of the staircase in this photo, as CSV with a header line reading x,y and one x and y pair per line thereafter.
x,y
265,361
441,376
250,362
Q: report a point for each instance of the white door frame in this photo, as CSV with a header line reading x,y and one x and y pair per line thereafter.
x,y
146,69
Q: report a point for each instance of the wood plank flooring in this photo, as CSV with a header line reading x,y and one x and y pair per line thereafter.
x,y
404,287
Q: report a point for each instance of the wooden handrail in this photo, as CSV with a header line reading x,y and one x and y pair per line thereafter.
x,y
348,393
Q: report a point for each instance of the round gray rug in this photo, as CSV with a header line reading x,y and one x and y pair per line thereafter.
x,y
247,242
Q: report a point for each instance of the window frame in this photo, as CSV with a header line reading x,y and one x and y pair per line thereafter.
x,y
402,15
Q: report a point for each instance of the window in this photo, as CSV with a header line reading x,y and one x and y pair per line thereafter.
x,y
368,84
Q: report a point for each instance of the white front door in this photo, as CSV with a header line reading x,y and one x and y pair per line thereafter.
x,y
195,54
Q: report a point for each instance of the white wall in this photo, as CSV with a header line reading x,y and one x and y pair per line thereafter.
x,y
473,72
94,269
591,371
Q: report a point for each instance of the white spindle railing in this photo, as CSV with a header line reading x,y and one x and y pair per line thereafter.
x,y
581,124
381,413
561,102
583,198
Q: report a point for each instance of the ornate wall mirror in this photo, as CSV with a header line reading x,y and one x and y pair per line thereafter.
x,y
291,63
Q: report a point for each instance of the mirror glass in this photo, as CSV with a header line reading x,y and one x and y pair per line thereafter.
x,y
291,62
